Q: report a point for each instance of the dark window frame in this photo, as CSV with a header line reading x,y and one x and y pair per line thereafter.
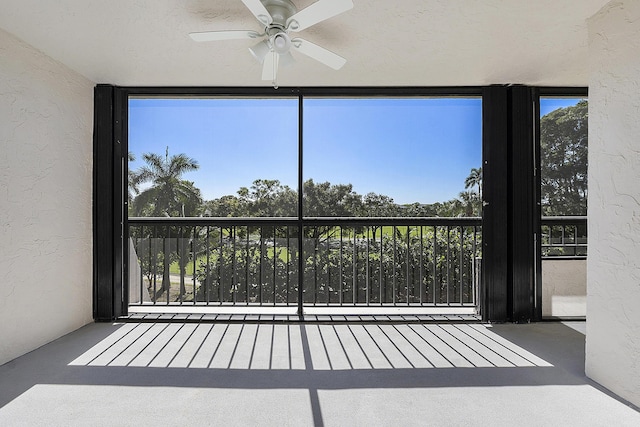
x,y
508,295
545,92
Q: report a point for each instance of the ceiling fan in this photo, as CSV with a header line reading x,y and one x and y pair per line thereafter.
x,y
280,18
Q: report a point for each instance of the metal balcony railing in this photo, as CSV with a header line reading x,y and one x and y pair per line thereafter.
x,y
564,237
343,261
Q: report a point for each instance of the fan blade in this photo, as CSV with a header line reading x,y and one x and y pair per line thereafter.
x,y
318,53
286,60
317,12
208,36
260,50
259,11
270,67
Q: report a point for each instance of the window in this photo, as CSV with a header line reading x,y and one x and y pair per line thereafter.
x,y
213,157
563,154
389,157
234,161
371,157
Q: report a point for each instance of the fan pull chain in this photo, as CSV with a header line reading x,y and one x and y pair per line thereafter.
x,y
275,72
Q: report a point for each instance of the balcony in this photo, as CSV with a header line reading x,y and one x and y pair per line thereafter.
x,y
309,374
350,265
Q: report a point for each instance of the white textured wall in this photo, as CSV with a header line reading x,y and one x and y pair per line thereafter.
x,y
46,114
613,272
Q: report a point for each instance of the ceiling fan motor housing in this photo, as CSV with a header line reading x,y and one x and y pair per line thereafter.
x,y
280,11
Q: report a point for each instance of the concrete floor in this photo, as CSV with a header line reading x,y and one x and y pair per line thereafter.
x,y
347,374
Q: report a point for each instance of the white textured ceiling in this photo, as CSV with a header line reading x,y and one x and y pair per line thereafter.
x,y
386,42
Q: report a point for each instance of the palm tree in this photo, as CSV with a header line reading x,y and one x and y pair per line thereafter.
x,y
475,178
168,195
132,186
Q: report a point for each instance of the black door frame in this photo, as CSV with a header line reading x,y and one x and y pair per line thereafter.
x,y
510,223
109,203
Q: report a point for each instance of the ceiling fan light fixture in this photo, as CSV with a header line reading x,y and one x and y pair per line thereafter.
x,y
281,43
260,51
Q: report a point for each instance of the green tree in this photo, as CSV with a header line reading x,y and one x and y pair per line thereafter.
x,y
334,200
171,196
470,202
420,210
268,198
225,206
563,152
378,205
452,208
328,200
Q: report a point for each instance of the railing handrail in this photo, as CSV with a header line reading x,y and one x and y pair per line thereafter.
x,y
564,220
427,221
567,240
432,220
196,221
317,221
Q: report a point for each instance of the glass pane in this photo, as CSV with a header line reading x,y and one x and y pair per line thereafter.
x,y
213,157
392,157
563,153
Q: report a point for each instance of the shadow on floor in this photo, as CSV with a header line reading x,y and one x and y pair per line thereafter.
x,y
314,358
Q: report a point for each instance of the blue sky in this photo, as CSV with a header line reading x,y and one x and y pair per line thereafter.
x,y
549,104
234,141
411,149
